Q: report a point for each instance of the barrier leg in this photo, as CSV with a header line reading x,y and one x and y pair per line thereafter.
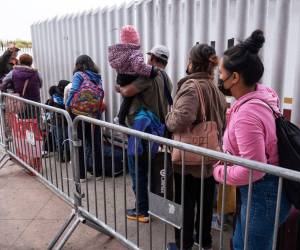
x,y
62,230
4,159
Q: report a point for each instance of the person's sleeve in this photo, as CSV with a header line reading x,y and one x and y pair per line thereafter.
x,y
66,92
184,111
6,80
76,82
249,132
139,66
41,79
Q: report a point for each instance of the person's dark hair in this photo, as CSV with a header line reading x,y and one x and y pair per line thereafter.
x,y
243,58
203,58
84,63
52,90
25,59
159,60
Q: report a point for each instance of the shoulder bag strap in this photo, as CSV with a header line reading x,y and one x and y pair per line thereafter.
x,y
201,101
25,87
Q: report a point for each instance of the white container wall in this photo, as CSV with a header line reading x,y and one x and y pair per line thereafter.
x,y
178,24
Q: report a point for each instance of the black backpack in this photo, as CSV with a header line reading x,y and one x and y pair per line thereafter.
x,y
288,142
288,136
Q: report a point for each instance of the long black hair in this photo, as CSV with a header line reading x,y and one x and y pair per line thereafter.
x,y
83,63
243,58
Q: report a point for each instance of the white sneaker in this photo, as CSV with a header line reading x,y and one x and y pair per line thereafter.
x,y
116,120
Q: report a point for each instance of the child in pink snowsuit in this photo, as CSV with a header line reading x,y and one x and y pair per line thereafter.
x,y
127,59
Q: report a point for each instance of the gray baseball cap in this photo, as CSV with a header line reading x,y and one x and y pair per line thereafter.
x,y
160,51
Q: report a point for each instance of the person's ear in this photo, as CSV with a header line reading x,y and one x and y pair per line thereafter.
x,y
235,77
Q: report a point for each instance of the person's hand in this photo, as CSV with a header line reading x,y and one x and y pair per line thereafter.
x,y
118,88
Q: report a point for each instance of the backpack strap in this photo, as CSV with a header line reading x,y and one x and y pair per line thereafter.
x,y
166,89
86,77
25,87
276,114
167,94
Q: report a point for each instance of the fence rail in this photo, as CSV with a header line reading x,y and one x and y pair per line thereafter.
x,y
102,203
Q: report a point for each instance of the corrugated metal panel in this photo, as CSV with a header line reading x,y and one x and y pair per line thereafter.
x,y
178,24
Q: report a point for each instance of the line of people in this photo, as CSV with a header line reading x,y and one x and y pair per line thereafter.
x,y
246,129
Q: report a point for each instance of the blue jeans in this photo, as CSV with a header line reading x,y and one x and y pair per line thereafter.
x,y
262,214
142,166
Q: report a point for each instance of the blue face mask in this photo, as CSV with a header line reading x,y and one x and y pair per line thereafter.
x,y
221,87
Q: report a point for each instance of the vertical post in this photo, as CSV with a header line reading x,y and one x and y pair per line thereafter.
x,y
278,204
2,116
280,48
75,163
182,197
296,106
223,207
221,26
149,190
248,209
242,19
204,21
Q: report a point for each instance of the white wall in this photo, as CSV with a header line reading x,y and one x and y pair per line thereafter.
x,y
178,24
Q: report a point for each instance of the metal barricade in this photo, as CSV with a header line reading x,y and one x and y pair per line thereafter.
x,y
102,204
37,137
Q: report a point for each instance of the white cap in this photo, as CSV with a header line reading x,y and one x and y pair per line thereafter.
x,y
160,51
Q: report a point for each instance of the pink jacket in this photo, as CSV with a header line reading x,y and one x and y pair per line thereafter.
x,y
251,134
128,59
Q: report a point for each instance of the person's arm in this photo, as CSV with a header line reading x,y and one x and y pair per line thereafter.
x,y
6,80
185,109
76,82
4,59
134,88
129,90
41,79
66,92
249,132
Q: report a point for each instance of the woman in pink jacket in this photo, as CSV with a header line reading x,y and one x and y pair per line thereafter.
x,y
251,134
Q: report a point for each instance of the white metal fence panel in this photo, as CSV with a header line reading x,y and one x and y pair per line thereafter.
x,y
178,24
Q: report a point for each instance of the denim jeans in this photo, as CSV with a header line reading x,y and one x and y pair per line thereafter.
x,y
142,167
262,214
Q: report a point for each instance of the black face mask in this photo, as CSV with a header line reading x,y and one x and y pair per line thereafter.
x,y
221,87
187,70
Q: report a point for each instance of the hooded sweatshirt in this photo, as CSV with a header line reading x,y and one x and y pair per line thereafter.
x,y
18,77
78,80
251,134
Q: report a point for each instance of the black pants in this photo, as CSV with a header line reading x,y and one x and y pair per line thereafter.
x,y
124,109
89,131
124,80
192,202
